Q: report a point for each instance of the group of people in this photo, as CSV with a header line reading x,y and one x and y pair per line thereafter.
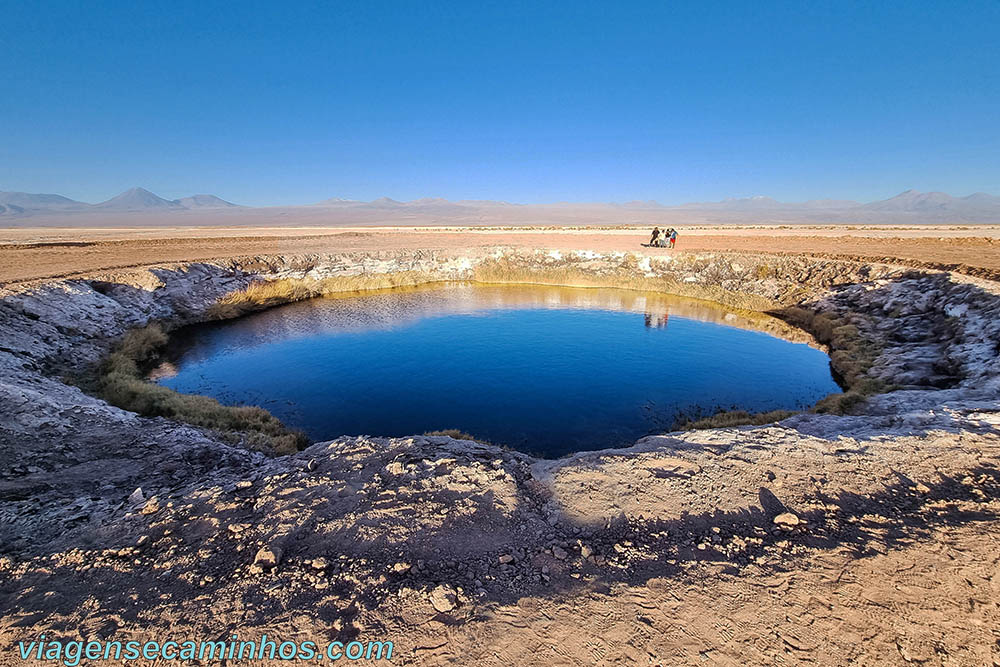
x,y
663,238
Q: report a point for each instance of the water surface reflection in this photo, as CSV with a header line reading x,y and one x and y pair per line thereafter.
x,y
543,369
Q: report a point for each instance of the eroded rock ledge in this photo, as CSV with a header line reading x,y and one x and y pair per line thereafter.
x,y
363,529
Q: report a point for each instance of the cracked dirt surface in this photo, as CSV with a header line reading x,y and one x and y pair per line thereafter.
x,y
869,538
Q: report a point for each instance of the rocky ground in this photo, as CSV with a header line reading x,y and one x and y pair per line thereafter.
x,y
869,538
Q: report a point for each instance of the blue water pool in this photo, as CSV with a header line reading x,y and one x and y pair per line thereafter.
x,y
546,370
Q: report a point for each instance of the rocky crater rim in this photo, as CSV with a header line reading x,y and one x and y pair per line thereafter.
x,y
885,326
117,523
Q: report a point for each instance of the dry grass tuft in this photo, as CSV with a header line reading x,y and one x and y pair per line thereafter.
x,y
851,356
121,383
454,433
266,294
734,418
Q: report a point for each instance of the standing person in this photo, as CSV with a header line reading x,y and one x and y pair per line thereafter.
x,y
656,235
673,237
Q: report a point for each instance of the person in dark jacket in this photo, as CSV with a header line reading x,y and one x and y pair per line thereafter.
x,y
655,236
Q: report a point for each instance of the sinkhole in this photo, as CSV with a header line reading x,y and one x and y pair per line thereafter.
x,y
545,370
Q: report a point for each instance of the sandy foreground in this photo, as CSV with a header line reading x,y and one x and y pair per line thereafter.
x,y
826,540
47,252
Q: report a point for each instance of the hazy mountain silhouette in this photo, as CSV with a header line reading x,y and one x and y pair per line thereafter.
x,y
912,200
204,201
385,202
26,201
338,201
762,203
137,199
910,206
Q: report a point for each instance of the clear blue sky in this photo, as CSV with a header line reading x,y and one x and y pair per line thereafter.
x,y
281,103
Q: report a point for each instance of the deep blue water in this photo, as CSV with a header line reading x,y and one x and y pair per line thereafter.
x,y
544,370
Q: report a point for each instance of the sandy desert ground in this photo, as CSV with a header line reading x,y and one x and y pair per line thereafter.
x,y
47,252
863,539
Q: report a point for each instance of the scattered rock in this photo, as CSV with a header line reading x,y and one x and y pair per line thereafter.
x,y
152,505
505,559
559,553
786,519
443,598
268,556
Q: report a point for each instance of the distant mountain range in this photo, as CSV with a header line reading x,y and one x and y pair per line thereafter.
x,y
911,200
909,206
760,203
136,199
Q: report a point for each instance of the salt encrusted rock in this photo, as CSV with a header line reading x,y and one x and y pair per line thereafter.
x,y
136,497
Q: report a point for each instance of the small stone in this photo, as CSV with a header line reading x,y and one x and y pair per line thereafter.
x,y
401,568
586,551
443,598
152,505
505,559
136,497
786,519
559,553
320,563
244,484
923,488
142,541
268,556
